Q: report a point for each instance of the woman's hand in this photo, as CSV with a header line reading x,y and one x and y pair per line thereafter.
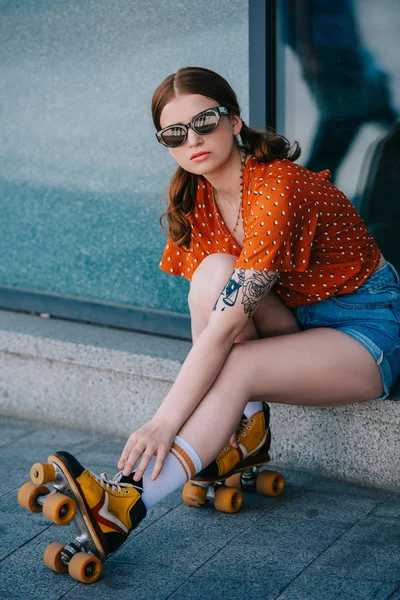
x,y
152,439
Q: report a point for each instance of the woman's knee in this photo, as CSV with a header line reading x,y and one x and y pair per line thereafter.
x,y
272,317
207,283
209,279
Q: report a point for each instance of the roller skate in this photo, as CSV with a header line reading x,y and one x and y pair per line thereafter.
x,y
237,469
102,510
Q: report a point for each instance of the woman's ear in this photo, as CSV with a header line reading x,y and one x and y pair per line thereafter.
x,y
236,123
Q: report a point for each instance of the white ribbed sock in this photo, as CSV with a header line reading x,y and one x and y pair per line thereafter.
x,y
252,407
181,464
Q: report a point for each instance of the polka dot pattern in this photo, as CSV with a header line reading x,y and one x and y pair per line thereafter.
x,y
296,222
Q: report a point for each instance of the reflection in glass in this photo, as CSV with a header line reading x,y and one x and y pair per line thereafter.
x,y
339,95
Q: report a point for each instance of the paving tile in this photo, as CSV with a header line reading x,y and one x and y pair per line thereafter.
x,y
16,530
32,552
378,532
186,535
31,581
356,561
12,430
390,508
326,507
13,473
245,588
281,566
339,487
37,446
336,588
103,451
280,533
143,582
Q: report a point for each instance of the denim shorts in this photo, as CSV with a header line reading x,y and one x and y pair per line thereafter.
x,y
370,314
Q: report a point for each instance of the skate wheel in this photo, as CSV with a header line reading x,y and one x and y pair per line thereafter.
x,y
28,495
85,568
194,495
235,481
270,483
228,499
42,473
59,509
52,558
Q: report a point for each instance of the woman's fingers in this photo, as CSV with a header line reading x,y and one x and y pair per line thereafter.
x,y
126,451
130,462
146,454
161,456
146,458
143,444
122,460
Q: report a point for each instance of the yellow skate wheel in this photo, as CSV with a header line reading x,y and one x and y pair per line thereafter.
x,y
85,568
42,473
270,483
28,495
194,495
59,509
52,558
228,499
235,481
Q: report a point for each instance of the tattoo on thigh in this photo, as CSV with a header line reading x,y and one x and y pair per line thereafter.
x,y
255,287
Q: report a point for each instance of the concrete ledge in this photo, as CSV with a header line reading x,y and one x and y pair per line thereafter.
x,y
84,376
111,381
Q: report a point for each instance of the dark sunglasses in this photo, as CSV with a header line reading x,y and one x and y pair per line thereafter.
x,y
204,123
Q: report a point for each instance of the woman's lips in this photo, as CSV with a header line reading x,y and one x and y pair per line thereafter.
x,y
202,156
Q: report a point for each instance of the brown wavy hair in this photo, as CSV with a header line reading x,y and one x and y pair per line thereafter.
x,y
264,144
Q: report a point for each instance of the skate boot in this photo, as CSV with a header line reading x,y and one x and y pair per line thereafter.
x,y
114,506
103,511
254,440
237,469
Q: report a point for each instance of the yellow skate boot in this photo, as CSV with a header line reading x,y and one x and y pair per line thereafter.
x,y
108,509
254,440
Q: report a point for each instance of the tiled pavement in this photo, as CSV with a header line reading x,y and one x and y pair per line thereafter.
x,y
320,540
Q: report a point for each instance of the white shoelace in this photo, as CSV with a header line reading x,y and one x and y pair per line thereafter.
x,y
114,483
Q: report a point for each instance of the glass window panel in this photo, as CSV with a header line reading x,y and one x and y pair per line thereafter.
x,y
83,177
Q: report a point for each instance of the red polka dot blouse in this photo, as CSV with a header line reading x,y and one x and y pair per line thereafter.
x,y
296,222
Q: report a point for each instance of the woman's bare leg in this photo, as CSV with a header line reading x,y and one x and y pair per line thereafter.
x,y
318,367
